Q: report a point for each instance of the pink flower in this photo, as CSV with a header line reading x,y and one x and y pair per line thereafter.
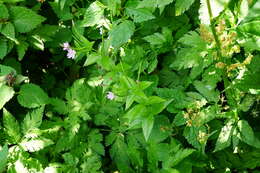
x,y
71,53
110,95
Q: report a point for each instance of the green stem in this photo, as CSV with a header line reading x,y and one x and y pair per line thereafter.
x,y
212,23
227,83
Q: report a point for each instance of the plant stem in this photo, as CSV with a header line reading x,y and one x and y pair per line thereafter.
x,y
212,23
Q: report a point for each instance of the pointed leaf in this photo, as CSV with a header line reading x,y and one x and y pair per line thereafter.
x,y
224,138
6,93
11,126
182,5
147,125
25,19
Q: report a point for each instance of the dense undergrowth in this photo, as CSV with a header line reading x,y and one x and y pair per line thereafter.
x,y
129,86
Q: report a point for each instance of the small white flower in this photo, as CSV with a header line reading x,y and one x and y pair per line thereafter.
x,y
110,95
71,53
66,46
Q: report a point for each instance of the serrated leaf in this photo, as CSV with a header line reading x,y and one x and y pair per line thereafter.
x,y
25,19
93,14
3,48
32,120
12,127
4,12
35,144
217,6
182,5
147,126
140,14
3,157
6,93
121,33
9,32
32,96
224,138
192,134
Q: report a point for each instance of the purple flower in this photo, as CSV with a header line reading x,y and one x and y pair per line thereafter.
x,y
66,46
110,95
71,53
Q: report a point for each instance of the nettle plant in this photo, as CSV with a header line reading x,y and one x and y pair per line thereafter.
x,y
129,86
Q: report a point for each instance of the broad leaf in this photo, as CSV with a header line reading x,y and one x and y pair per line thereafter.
x,y
9,32
4,12
139,14
247,134
93,14
3,48
32,96
25,19
121,33
224,138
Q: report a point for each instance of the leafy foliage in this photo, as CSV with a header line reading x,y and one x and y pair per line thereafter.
x,y
129,86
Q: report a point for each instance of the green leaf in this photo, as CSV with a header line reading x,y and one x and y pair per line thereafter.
x,y
6,93
251,27
155,39
9,32
207,91
180,155
3,157
224,138
12,1
59,105
21,49
25,19
11,126
121,33
140,14
247,134
32,96
35,144
93,14
155,4
3,48
136,112
120,156
182,5
217,6
147,126
4,12
190,55
32,120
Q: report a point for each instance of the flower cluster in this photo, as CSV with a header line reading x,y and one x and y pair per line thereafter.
x,y
70,52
